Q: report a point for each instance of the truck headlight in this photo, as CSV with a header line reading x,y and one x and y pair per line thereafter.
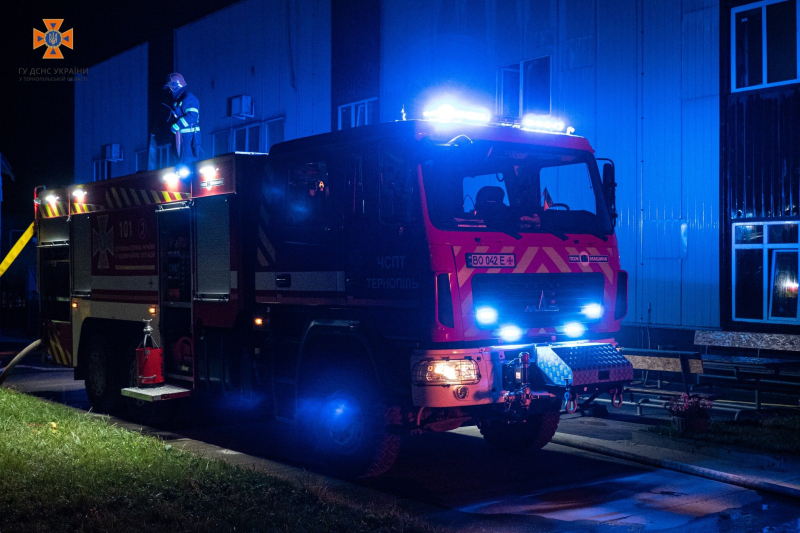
x,y
459,372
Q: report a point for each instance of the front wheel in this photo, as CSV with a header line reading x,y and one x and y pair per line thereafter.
x,y
344,423
520,436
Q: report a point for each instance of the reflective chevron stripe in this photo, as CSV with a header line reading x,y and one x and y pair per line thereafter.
x,y
122,197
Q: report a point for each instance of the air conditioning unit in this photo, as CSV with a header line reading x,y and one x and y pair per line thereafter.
x,y
113,152
242,107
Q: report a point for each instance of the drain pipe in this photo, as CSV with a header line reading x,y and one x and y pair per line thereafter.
x,y
10,366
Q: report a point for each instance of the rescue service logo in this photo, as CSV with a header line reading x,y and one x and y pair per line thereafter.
x,y
52,38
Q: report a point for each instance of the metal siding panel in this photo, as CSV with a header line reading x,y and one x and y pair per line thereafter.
x,y
660,281
322,67
112,105
617,118
245,49
700,270
700,165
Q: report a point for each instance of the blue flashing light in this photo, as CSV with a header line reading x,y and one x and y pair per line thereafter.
x,y
574,329
592,311
535,122
450,113
486,315
510,333
182,171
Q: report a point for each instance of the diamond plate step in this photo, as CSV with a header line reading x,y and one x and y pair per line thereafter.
x,y
155,394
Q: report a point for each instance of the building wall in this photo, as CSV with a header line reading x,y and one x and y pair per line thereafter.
x,y
639,79
276,51
760,188
111,107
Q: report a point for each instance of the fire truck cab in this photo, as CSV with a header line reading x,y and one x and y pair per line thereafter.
x,y
385,280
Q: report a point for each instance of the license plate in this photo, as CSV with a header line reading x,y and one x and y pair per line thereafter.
x,y
491,260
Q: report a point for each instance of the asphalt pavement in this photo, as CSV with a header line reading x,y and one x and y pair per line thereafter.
x,y
455,480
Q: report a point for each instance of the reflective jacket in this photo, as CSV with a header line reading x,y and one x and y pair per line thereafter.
x,y
187,108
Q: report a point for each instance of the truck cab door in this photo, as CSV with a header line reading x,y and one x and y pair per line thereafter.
x,y
386,250
309,258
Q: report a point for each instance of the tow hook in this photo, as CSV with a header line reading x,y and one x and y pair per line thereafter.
x,y
571,401
616,398
521,397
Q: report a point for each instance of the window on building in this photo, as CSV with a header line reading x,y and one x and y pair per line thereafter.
x,y
764,44
247,138
274,132
358,113
258,137
163,158
101,169
524,88
765,272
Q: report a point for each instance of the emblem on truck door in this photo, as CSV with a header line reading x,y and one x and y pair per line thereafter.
x,y
103,242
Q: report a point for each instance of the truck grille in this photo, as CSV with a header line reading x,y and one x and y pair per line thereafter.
x,y
537,300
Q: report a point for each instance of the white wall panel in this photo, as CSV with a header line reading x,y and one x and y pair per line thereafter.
x,y
111,108
276,51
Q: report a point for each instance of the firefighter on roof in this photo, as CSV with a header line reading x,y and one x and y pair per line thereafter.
x,y
184,119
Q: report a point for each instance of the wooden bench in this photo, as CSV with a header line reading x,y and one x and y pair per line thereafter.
x,y
752,373
684,363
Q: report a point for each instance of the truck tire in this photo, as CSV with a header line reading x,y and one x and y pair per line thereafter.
x,y
532,435
343,421
103,376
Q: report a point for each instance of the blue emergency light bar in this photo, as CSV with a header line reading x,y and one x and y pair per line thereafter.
x,y
458,113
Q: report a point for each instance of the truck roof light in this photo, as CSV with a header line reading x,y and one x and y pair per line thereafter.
x,y
183,171
543,123
208,171
79,194
450,113
51,198
171,178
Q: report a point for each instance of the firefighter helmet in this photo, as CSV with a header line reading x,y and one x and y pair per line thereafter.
x,y
174,82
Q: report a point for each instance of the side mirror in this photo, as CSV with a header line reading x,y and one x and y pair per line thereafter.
x,y
610,189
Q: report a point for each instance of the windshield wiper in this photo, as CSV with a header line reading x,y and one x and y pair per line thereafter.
x,y
598,235
494,226
551,231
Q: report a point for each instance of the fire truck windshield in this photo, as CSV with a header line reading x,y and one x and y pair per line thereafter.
x,y
514,188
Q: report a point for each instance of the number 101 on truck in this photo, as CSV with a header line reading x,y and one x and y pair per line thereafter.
x,y
391,279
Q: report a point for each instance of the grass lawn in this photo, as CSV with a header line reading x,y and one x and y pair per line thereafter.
x,y
62,470
772,434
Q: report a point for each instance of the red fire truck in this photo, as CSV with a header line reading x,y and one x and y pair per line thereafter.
x,y
385,280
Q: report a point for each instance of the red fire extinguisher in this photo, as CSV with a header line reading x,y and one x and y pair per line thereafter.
x,y
149,360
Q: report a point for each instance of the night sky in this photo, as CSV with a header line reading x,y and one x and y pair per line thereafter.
x,y
36,119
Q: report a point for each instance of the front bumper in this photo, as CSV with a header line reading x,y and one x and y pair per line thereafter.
x,y
554,369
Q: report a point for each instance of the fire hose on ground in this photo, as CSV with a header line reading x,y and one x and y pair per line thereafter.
x,y
748,482
19,357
